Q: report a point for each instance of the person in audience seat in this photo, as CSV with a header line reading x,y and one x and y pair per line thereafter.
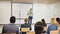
x,y
53,25
44,24
25,25
11,28
58,21
38,28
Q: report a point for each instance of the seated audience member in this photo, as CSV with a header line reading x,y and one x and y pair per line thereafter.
x,y
25,25
38,28
43,21
44,24
11,28
58,21
53,25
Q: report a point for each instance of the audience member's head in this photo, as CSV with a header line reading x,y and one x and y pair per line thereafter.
x,y
12,19
25,20
53,20
38,27
38,22
58,20
43,21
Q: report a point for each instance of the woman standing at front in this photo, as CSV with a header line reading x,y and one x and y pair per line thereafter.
x,y
30,16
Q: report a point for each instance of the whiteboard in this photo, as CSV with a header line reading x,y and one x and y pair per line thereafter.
x,y
20,11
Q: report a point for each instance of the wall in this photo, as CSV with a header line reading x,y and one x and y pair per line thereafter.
x,y
5,12
46,11
40,11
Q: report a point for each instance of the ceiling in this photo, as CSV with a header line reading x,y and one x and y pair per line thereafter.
x,y
33,1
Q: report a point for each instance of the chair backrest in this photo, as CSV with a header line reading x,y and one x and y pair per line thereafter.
x,y
31,32
54,32
45,28
25,29
9,33
59,28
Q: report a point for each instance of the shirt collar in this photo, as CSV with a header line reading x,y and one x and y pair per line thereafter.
x,y
11,23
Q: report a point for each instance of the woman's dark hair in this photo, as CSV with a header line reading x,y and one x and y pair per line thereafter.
x,y
12,19
58,20
43,21
38,28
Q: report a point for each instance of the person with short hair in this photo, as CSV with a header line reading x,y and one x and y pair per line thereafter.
x,y
12,27
25,25
53,25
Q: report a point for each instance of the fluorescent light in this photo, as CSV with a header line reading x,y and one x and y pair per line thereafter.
x,y
36,1
14,0
46,2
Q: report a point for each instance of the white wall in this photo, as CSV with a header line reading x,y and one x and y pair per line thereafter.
x,y
46,11
40,11
5,12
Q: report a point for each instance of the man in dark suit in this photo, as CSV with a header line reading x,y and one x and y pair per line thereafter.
x,y
11,28
25,25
